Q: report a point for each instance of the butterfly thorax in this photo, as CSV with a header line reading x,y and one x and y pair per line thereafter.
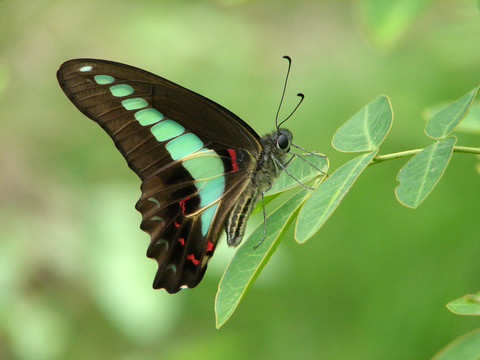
x,y
267,170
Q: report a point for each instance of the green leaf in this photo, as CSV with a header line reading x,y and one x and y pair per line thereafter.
x,y
248,262
443,122
388,21
466,305
328,195
469,124
466,347
421,173
365,130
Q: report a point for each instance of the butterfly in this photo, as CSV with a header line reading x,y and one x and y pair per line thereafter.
x,y
202,168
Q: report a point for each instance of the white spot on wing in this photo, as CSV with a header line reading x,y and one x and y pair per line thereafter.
x,y
86,68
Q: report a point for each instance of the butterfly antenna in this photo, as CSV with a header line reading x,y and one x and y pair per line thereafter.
x,y
284,88
296,107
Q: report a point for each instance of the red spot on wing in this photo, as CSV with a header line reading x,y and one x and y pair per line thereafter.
x,y
209,246
233,156
182,204
176,224
191,257
181,241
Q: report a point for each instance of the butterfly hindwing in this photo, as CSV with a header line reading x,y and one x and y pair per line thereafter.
x,y
194,158
184,217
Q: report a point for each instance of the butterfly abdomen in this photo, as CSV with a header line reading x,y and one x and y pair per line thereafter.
x,y
236,222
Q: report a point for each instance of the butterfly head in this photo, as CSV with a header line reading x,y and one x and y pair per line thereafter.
x,y
277,143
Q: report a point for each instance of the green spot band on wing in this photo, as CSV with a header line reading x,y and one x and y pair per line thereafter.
x,y
134,103
208,171
85,68
207,217
166,130
211,190
101,79
183,145
121,90
148,116
204,166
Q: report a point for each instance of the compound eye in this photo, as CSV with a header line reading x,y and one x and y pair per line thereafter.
x,y
282,142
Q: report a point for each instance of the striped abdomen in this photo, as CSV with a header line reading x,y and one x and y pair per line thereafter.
x,y
236,222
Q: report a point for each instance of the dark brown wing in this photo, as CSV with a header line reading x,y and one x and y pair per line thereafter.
x,y
169,135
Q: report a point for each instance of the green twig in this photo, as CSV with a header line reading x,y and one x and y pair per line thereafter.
x,y
459,149
466,150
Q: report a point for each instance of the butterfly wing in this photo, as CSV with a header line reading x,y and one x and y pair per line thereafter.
x,y
194,158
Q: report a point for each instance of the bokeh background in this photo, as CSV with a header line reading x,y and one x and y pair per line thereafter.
x,y
372,284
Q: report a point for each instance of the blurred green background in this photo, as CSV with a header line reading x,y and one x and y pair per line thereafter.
x,y
373,284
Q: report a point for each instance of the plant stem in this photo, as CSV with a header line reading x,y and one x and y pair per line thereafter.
x,y
459,149
466,149
392,156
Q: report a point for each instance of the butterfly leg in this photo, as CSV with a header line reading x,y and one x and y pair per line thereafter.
x,y
289,160
264,217
289,174
309,153
301,157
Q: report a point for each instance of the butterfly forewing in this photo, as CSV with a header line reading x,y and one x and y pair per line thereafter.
x,y
194,158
